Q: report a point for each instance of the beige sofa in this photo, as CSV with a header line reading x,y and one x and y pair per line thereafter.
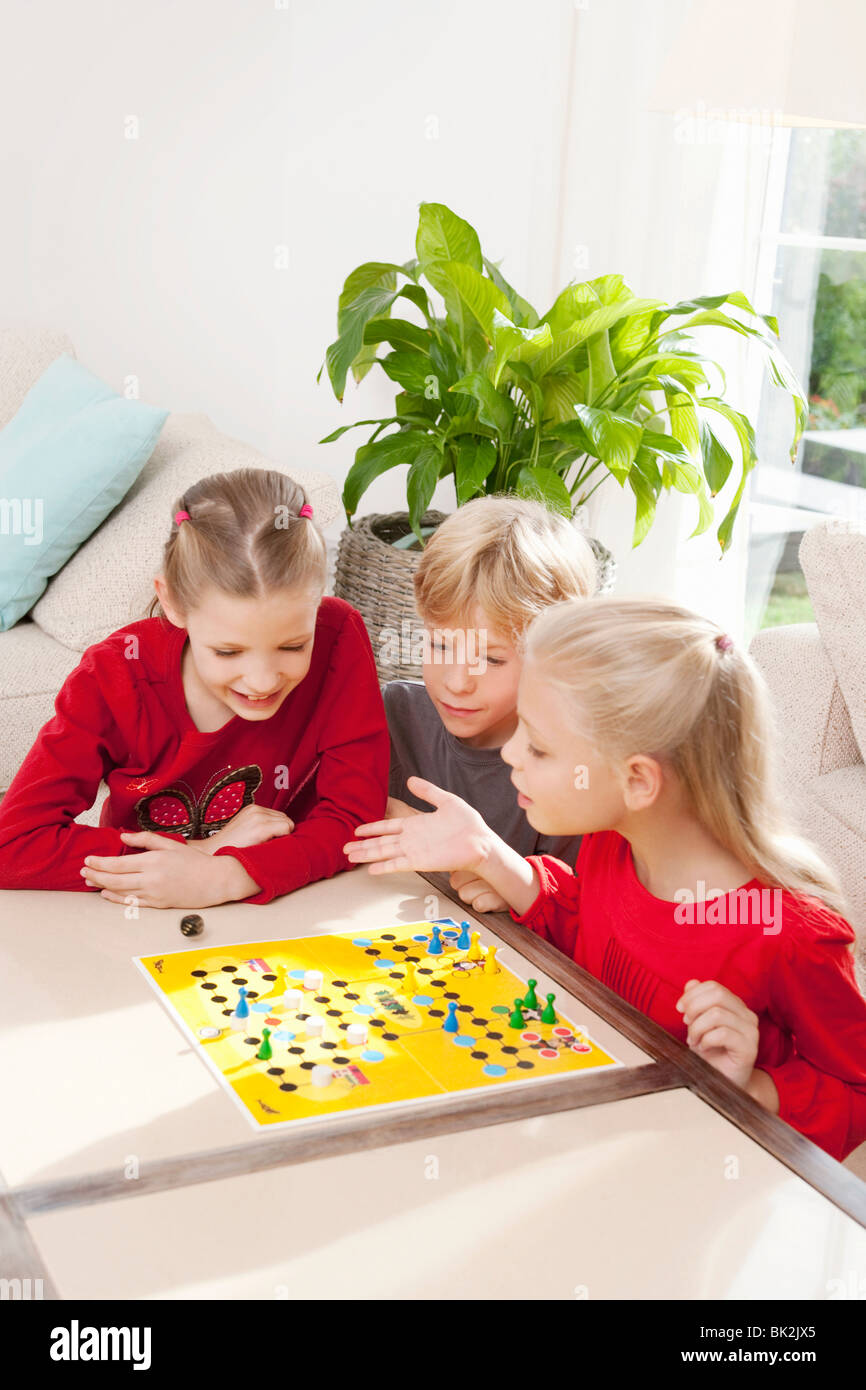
x,y
109,581
817,676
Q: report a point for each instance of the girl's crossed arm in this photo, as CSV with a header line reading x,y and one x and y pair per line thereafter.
x,y
42,846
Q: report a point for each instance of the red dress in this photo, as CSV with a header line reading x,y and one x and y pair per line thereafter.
x,y
788,959
322,758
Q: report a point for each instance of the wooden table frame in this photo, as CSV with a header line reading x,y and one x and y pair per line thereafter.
x,y
673,1066
838,1184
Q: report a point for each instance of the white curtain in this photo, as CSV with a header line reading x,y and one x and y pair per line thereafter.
x,y
674,202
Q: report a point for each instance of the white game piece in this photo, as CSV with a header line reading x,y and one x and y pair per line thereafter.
x,y
313,979
356,1034
292,998
240,1025
209,1033
321,1075
314,1026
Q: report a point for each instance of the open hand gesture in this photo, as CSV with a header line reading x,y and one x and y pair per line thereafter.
x,y
453,836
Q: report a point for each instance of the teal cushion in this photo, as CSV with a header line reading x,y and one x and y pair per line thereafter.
x,y
68,456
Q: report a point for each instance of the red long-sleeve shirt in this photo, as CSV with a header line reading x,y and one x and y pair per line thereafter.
x,y
786,957
322,758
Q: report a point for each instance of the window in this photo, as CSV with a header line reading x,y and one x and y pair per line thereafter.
x,y
814,256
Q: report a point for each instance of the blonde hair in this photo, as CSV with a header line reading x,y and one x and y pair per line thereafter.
x,y
643,675
244,537
510,556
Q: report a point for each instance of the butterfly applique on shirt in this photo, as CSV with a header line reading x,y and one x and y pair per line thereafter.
x,y
174,810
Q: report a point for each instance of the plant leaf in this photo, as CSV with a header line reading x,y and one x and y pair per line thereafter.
x,y
476,459
388,420
511,343
421,483
645,505
417,295
683,416
467,424
746,435
705,509
495,407
561,392
476,294
573,304
399,333
370,275
371,302
410,370
373,459
443,236
665,446
611,289
714,318
544,485
443,239
783,375
416,410
574,432
582,329
614,438
522,311
716,459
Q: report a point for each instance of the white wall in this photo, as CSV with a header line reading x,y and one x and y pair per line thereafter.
x,y
319,127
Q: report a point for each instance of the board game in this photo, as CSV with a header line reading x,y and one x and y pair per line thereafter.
x,y
321,1024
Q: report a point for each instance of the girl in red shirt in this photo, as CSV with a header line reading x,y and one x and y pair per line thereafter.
x,y
241,731
646,730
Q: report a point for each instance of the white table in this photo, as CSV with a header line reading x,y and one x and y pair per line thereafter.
x,y
646,1196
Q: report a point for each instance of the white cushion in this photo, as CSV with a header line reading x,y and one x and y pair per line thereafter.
x,y
32,669
843,795
25,353
833,559
109,581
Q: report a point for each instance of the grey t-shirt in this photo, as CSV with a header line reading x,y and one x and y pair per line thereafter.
x,y
421,746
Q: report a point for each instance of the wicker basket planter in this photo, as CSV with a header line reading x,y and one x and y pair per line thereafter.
x,y
378,581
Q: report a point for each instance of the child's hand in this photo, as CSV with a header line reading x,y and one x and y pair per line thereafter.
x,y
452,837
165,874
251,826
722,1029
477,892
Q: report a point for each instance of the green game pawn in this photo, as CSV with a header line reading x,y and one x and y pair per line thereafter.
x,y
531,1000
548,1013
265,1052
516,1019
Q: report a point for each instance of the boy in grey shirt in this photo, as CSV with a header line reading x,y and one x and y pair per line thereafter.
x,y
421,746
488,569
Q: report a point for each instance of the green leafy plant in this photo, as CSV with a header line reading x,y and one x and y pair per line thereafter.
x,y
838,377
502,399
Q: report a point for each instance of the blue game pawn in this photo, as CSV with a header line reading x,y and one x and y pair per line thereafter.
x,y
243,1009
435,948
451,1025
464,940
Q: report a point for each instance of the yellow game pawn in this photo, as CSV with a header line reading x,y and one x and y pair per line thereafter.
x,y
474,952
491,964
410,982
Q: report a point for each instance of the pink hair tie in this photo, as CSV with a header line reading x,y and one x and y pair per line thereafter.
x,y
724,642
306,510
181,517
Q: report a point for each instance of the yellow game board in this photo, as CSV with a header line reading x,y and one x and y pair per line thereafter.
x,y
316,1067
